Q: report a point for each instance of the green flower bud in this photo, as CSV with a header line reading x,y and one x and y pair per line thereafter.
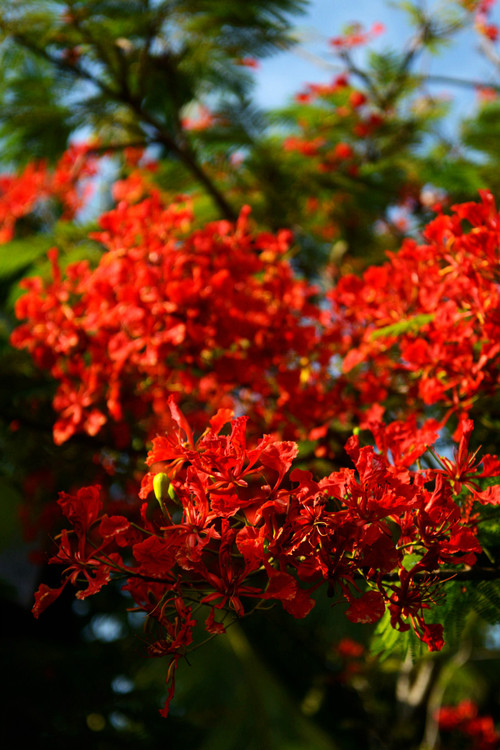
x,y
161,487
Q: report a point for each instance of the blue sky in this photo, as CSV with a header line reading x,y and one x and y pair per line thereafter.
x,y
281,76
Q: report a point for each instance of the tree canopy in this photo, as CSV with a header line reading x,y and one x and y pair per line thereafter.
x,y
249,393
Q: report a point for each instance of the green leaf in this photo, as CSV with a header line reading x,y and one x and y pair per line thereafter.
x,y
408,325
386,640
486,600
17,255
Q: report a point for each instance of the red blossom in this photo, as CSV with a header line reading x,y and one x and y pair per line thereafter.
x,y
248,532
81,509
347,648
464,719
464,470
355,36
212,626
427,318
67,183
165,302
44,597
367,609
204,120
177,323
248,62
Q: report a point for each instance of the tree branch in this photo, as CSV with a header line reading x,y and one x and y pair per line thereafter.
x,y
477,573
184,153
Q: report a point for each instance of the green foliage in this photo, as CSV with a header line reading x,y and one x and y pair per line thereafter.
x,y
489,536
264,712
412,325
486,601
19,254
387,642
27,256
454,611
481,133
138,62
34,121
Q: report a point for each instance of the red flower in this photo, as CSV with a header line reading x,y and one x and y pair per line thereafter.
x,y
81,509
343,151
464,718
350,649
464,470
248,62
369,608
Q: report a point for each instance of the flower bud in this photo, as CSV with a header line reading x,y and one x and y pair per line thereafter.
x,y
161,485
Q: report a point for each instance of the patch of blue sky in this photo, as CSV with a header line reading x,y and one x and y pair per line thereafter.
x,y
283,75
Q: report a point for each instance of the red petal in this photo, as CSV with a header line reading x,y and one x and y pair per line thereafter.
x,y
45,596
222,417
367,609
180,419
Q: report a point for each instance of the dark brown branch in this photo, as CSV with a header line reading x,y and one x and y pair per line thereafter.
x,y
444,574
453,81
184,153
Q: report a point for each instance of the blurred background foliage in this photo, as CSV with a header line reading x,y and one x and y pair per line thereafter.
x,y
351,167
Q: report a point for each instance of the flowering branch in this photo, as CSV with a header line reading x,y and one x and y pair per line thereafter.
x,y
233,524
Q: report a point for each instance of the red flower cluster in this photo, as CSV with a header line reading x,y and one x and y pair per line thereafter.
x,y
219,315
211,313
356,36
354,112
234,530
426,324
21,194
248,62
464,718
204,120
482,10
351,659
